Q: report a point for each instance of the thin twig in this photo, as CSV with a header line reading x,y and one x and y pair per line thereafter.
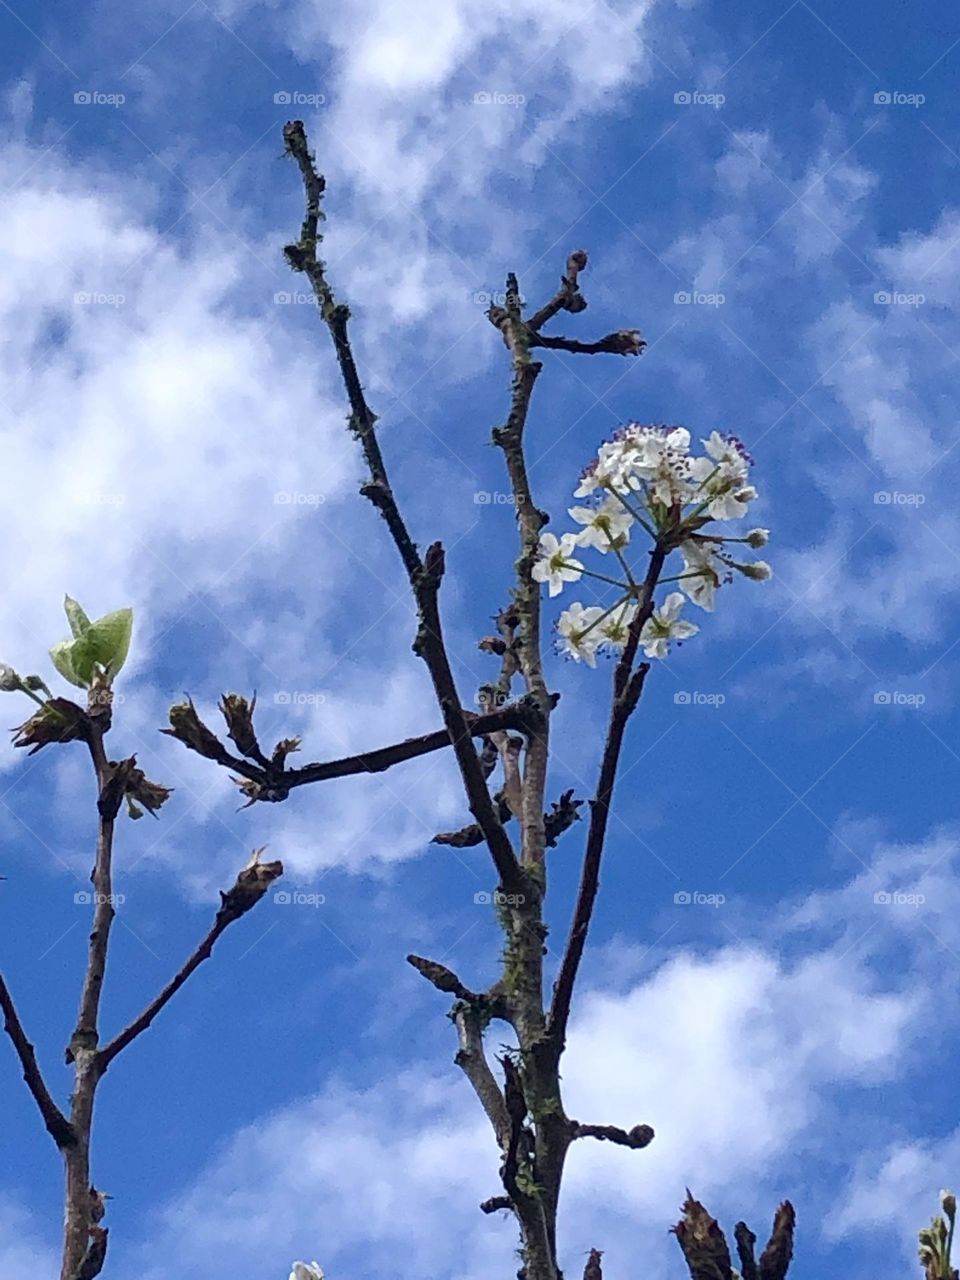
x,y
58,1126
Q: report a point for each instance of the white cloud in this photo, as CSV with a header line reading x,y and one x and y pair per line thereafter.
x,y
729,1057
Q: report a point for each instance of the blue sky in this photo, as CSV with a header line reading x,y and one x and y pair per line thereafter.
x,y
172,435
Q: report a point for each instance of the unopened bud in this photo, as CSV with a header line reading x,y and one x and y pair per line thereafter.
x,y
948,1202
757,538
9,680
759,570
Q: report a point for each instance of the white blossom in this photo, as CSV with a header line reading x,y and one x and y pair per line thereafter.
x,y
700,559
615,629
306,1271
665,625
557,564
757,538
606,526
579,633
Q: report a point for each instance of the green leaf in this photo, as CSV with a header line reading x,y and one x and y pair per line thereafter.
x,y
63,660
104,643
79,622
113,632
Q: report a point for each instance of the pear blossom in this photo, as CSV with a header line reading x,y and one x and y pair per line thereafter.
x,y
703,572
606,526
615,629
306,1271
557,564
665,625
579,632
649,476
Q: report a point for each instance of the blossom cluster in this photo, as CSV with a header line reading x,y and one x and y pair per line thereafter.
x,y
646,477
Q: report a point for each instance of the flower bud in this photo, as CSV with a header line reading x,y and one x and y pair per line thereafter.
x,y
757,538
759,571
9,680
948,1202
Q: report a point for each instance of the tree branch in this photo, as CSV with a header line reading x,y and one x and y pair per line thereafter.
x,y
58,1126
641,1135
627,688
251,884
275,784
424,575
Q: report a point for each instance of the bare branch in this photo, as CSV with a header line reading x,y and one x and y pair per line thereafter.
x,y
303,257
563,814
624,342
627,688
425,575
745,1241
443,979
568,297
275,782
251,884
472,1060
641,1135
58,1126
